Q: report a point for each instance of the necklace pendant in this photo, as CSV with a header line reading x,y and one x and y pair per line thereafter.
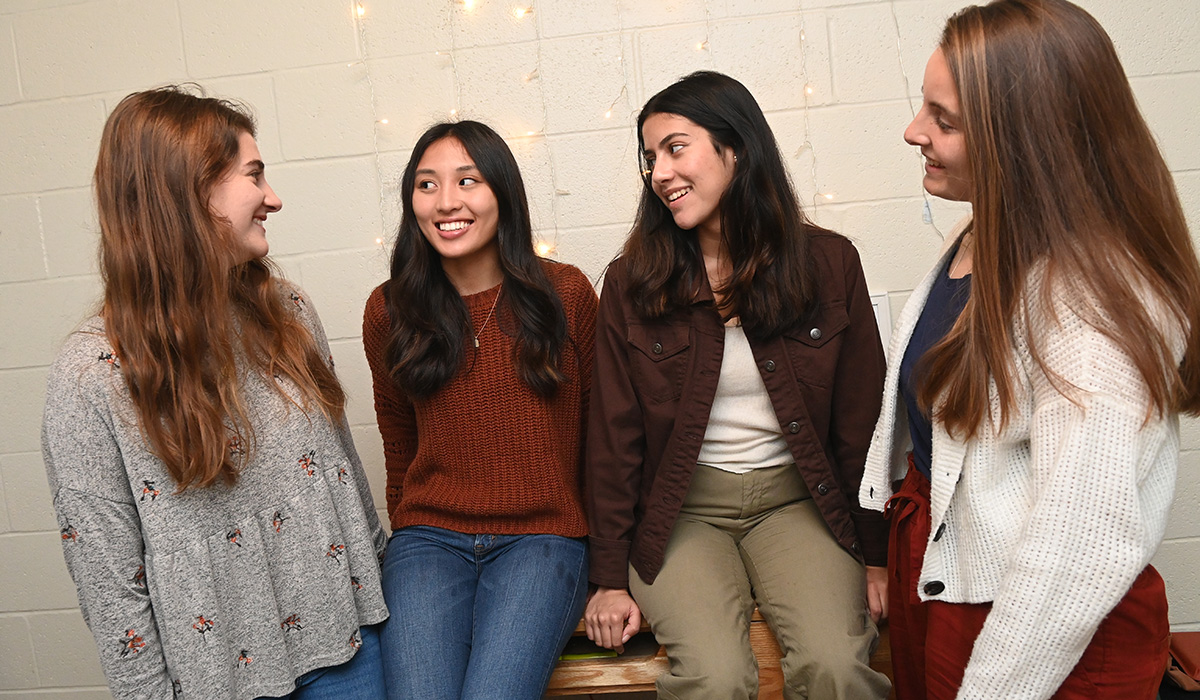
x,y
476,341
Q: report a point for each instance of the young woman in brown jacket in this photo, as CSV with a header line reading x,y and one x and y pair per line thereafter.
x,y
737,378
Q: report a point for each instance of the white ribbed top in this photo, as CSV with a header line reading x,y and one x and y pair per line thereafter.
x,y
743,432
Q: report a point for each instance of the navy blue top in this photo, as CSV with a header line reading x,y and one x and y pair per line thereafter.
x,y
946,301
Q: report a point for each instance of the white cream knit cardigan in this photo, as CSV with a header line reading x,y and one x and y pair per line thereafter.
x,y
1052,519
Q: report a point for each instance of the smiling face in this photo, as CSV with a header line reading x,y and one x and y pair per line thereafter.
x,y
243,198
937,130
688,171
455,208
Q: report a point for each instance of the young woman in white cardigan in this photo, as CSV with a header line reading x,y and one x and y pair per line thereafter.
x,y
1037,374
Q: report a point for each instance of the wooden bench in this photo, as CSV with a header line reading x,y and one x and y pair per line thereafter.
x,y
645,660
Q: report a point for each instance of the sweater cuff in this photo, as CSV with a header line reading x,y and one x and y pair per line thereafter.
x,y
872,530
608,562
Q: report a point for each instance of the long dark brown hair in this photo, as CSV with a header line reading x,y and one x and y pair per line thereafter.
x,y
773,282
430,322
178,308
1069,184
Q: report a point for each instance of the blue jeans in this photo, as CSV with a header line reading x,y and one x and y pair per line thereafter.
x,y
360,677
478,616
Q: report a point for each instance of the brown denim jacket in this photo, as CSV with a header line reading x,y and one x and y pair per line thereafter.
x,y
652,390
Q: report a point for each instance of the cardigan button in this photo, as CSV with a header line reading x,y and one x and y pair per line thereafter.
x,y
793,427
657,349
815,334
934,588
822,489
940,531
770,365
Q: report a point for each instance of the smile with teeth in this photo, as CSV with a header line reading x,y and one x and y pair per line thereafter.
x,y
678,193
932,163
452,225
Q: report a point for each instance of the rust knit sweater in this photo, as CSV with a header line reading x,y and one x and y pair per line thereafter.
x,y
485,454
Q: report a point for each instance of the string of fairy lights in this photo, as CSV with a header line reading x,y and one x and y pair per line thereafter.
x,y
455,11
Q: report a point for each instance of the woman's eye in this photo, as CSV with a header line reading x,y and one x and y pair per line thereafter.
x,y
674,148
943,125
425,185
467,181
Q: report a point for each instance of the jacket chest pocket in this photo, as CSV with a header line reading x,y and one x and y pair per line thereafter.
x,y
814,346
658,360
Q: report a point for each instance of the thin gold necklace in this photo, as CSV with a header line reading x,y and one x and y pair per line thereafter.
x,y
489,316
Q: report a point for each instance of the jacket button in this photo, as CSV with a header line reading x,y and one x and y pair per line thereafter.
x,y
770,365
793,427
822,489
854,547
940,531
815,334
657,348
934,588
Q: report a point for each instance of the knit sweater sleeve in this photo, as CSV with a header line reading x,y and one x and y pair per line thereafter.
x,y
100,528
394,412
1104,478
580,302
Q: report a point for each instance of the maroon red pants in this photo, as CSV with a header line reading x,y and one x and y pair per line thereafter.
x,y
931,642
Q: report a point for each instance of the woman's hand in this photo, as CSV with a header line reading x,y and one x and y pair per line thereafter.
x,y
877,584
611,618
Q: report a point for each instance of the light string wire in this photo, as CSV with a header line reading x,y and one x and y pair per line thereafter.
x,y
358,15
807,93
546,248
926,209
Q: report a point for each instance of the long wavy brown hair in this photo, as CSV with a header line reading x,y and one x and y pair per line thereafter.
x,y
182,315
1067,178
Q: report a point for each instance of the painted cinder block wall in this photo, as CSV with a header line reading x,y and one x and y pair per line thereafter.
x,y
340,98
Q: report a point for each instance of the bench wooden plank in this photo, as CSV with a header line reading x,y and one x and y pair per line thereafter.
x,y
644,661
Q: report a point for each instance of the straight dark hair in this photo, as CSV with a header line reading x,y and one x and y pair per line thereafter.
x,y
1069,180
773,284
430,321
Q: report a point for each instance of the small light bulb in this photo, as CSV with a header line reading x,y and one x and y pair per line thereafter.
x,y
702,46
453,112
828,196
608,114
468,4
530,133
360,9
808,89
520,12
544,248
801,36
378,241
383,121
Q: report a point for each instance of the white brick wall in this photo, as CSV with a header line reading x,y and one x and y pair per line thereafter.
x,y
321,83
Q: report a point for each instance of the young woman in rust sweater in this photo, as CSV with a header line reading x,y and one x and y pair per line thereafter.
x,y
481,357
